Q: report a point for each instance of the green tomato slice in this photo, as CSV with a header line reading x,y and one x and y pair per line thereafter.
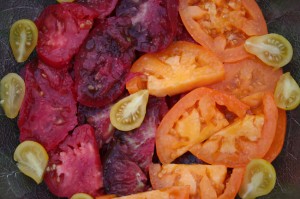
x,y
12,91
259,179
129,113
273,49
287,92
23,39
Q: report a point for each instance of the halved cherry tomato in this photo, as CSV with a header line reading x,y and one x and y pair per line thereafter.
x,y
278,141
174,192
205,181
244,139
193,119
182,67
287,92
23,39
223,26
273,49
81,196
32,159
129,112
248,79
259,179
12,92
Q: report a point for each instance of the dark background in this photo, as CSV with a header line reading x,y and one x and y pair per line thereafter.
x,y
282,16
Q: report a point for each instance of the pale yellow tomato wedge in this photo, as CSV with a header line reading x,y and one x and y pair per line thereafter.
x,y
23,39
273,49
259,179
129,113
81,196
32,159
12,91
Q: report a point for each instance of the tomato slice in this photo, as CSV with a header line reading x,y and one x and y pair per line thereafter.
x,y
248,79
287,92
193,119
180,192
259,179
223,26
273,49
23,39
244,139
129,113
81,196
109,196
32,159
12,91
205,181
104,8
182,67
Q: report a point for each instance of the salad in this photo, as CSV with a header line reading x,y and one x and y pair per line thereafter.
x,y
151,99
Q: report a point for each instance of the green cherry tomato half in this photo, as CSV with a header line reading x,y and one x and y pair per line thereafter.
x,y
81,196
287,92
259,179
23,39
129,112
12,91
273,49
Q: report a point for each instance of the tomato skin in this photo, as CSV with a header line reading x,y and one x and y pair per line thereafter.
x,y
104,8
245,19
75,166
62,29
49,108
180,68
164,138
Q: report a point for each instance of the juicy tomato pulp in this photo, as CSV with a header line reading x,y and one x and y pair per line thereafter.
x,y
104,8
75,167
49,108
103,62
154,22
57,24
223,26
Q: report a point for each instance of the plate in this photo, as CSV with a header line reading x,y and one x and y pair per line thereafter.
x,y
282,16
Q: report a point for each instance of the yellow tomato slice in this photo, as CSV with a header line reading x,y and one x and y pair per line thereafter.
x,y
23,39
12,91
32,159
259,179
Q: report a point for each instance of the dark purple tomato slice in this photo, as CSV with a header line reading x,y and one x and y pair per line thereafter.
x,y
99,119
62,29
103,7
75,166
48,111
128,162
103,62
154,22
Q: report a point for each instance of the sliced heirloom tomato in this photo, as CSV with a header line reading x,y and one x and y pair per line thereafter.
x,y
181,67
103,7
204,181
174,192
154,22
75,165
244,139
193,119
62,29
224,25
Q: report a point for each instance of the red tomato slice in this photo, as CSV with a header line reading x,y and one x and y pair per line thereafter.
x,y
223,26
181,67
244,139
75,167
104,8
193,119
205,181
62,29
49,107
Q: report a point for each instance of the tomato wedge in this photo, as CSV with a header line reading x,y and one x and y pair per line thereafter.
x,y
182,67
223,26
193,119
244,139
205,181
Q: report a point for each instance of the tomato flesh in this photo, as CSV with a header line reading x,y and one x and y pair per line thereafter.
x,y
103,62
62,29
67,172
48,111
104,8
